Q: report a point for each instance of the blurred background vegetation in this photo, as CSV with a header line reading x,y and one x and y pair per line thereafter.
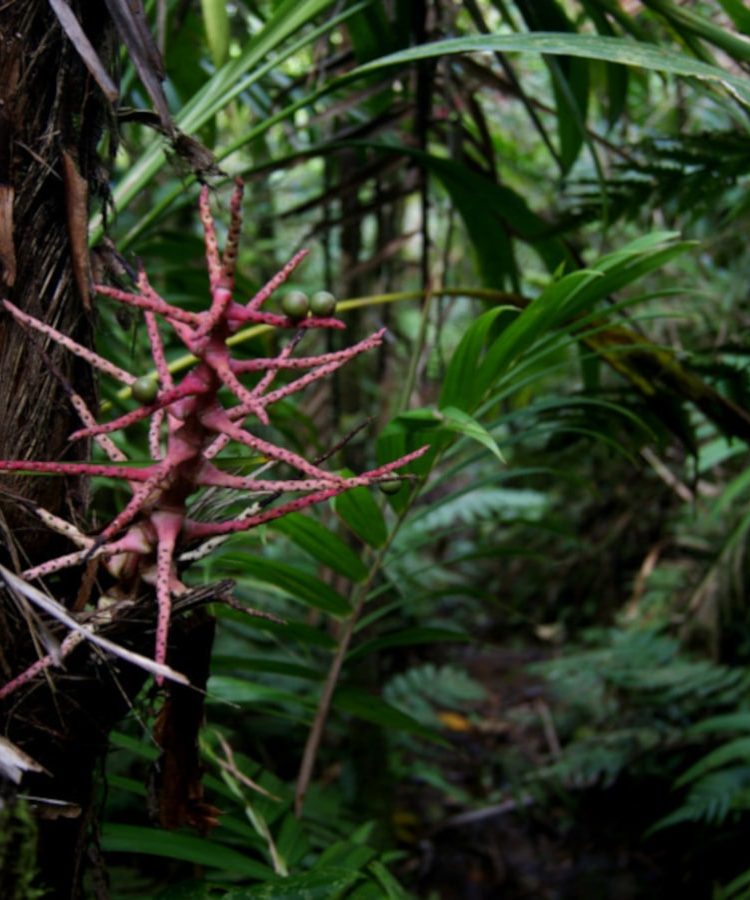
x,y
539,656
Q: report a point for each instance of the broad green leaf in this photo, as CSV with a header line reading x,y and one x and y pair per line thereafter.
x,y
449,419
570,79
491,212
687,20
322,544
739,721
223,663
367,706
462,423
738,13
737,750
216,23
588,46
539,317
135,745
461,385
362,514
118,838
240,690
186,890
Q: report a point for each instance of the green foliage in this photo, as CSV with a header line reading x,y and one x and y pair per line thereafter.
x,y
508,192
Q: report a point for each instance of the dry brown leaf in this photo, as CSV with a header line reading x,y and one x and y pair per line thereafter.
x,y
72,28
77,217
7,245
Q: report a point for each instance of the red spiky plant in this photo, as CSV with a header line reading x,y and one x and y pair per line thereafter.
x,y
188,427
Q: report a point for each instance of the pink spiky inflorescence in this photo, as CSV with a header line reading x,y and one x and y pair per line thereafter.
x,y
189,426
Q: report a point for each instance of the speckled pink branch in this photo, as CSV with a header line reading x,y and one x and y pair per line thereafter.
x,y
268,364
192,530
217,420
44,662
126,473
246,409
167,398
147,301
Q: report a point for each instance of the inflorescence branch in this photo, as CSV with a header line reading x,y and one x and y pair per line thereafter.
x,y
189,426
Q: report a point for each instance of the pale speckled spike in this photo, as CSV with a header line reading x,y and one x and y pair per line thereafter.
x,y
229,258
212,529
267,379
230,380
209,236
278,279
134,505
245,409
154,435
56,565
168,526
93,359
282,361
299,384
126,473
280,454
157,351
60,526
87,418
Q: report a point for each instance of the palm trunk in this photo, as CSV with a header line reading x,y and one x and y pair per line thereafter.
x,y
52,116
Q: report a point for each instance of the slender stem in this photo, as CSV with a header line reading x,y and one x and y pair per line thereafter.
x,y
331,682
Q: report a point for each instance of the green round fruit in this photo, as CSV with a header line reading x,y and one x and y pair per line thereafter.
x,y
392,486
295,305
145,389
322,303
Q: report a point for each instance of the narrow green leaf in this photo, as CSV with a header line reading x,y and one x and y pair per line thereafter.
x,y
393,890
322,544
297,583
174,845
406,637
346,854
589,46
288,18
